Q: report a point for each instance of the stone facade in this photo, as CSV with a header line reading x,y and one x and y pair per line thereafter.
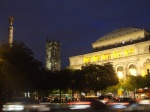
x,y
128,49
53,61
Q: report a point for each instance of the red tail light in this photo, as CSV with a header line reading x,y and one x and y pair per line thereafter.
x,y
79,103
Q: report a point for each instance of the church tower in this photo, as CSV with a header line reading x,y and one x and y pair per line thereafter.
x,y
53,61
10,31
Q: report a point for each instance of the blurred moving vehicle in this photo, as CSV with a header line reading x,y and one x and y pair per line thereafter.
x,y
86,104
90,98
122,103
105,98
24,104
144,102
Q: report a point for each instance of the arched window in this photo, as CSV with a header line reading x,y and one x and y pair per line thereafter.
x,y
120,72
132,70
120,68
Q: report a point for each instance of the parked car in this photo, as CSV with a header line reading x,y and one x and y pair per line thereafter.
x,y
24,104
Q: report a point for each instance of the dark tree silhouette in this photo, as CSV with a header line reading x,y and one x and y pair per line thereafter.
x,y
99,77
20,72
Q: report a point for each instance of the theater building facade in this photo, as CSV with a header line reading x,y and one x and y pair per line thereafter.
x,y
127,49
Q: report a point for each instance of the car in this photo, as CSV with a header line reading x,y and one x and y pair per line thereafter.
x,y
24,104
122,103
144,102
86,104
105,98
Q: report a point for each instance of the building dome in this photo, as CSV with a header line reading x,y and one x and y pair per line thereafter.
x,y
120,37
118,32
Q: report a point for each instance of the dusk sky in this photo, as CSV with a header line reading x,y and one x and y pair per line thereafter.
x,y
75,23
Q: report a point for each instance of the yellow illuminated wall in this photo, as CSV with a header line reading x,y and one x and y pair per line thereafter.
x,y
107,56
96,58
87,59
129,52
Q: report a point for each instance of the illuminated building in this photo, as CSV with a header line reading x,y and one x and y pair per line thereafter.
x,y
53,61
128,49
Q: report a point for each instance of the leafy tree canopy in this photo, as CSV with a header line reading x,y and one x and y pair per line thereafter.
x,y
99,77
19,70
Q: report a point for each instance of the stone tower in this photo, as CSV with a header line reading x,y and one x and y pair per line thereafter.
x,y
10,31
53,61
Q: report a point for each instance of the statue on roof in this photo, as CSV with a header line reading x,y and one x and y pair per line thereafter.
x,y
11,19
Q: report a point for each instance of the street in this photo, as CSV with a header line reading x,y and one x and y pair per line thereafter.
x,y
64,108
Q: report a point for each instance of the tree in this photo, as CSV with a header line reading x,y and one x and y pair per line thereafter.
x,y
62,80
77,80
146,81
19,69
99,77
132,82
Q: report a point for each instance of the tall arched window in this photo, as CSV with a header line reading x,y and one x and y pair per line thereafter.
x,y
132,70
120,72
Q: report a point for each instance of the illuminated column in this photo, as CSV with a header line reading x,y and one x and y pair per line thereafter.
x,y
10,31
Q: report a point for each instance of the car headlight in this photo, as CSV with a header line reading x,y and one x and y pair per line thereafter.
x,y
13,107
